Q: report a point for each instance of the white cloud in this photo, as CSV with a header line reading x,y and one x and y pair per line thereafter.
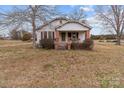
x,y
92,20
97,27
87,9
72,6
94,24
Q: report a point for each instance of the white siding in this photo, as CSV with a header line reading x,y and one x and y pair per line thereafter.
x,y
82,36
50,27
73,27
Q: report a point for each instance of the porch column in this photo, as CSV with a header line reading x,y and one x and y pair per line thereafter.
x,y
56,34
57,37
66,36
87,34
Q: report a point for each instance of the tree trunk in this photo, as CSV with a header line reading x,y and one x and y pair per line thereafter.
x,y
118,40
34,38
34,34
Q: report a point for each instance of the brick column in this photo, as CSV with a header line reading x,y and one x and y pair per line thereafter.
x,y
57,36
87,34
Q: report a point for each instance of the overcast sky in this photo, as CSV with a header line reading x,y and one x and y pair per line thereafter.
x,y
88,9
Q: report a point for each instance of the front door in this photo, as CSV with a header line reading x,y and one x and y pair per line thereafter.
x,y
62,44
63,36
74,36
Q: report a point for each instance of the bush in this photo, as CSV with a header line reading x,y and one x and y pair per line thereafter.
x,y
26,37
74,45
47,43
88,44
1,38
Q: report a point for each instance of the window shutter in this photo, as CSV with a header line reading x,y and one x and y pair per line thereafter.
x,y
77,35
41,35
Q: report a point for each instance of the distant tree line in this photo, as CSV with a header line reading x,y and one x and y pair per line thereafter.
x,y
101,37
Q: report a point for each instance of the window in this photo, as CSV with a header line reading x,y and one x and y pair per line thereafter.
x,y
45,35
49,35
69,35
75,36
63,36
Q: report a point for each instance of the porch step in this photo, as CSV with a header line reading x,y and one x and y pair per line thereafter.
x,y
62,46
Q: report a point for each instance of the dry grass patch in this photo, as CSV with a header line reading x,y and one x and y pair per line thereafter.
x,y
23,66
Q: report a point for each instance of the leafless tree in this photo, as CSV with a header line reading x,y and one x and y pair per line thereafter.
x,y
112,18
35,15
15,34
39,14
77,15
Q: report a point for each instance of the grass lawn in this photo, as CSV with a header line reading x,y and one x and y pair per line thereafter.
x,y
23,66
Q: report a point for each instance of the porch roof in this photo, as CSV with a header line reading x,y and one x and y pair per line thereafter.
x,y
73,26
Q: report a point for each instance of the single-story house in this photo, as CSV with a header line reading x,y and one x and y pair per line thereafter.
x,y
62,31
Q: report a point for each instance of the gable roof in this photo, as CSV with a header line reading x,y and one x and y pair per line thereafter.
x,y
59,18
83,24
68,21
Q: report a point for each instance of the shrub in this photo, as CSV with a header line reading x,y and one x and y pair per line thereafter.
x,y
26,37
75,45
88,44
1,38
47,43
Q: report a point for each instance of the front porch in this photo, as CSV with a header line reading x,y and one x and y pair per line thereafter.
x,y
63,39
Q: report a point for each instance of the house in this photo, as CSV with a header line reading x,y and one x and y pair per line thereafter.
x,y
62,31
